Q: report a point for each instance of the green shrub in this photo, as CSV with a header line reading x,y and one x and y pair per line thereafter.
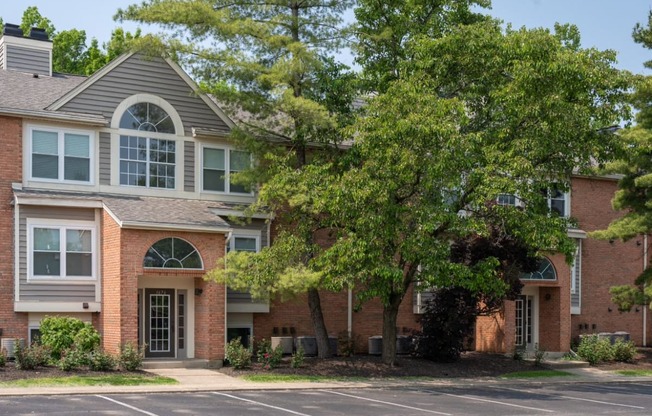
x,y
24,356
131,357
624,351
539,356
40,354
267,356
298,358
3,358
87,339
237,354
60,333
72,359
595,350
100,360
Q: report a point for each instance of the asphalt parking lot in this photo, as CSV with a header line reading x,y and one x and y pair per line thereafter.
x,y
561,399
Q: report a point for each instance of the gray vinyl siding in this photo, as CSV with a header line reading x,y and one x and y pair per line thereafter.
x,y
105,158
33,61
138,75
576,276
44,291
189,163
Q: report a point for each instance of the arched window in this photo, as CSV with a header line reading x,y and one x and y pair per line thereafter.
x,y
173,253
147,157
546,271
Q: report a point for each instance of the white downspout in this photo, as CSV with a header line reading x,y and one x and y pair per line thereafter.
x,y
645,248
227,241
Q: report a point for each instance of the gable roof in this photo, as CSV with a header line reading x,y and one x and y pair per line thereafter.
x,y
124,72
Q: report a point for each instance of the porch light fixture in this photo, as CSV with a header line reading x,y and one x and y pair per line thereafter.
x,y
85,305
198,291
548,296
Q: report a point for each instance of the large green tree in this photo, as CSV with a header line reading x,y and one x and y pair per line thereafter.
x,y
267,63
475,112
635,187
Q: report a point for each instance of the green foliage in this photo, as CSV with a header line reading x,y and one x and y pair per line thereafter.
x,y
100,360
518,354
33,18
539,356
30,357
70,53
72,359
267,356
384,29
237,354
3,353
59,333
298,358
624,351
131,357
594,349
627,296
448,319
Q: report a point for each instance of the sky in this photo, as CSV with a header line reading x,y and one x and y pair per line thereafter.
x,y
604,24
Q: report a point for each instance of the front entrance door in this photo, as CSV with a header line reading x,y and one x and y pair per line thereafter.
x,y
524,321
159,323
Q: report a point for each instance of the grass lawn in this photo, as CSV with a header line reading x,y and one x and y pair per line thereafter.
x,y
635,373
104,380
536,374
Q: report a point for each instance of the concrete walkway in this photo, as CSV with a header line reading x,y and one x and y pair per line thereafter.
x,y
197,379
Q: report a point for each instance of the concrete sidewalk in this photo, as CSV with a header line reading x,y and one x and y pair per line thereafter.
x,y
197,379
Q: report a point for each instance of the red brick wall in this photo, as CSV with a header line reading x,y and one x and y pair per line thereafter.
x,y
365,323
12,324
124,251
604,264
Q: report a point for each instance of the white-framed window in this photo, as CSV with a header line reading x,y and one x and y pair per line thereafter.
x,y
576,280
148,156
218,164
557,201
61,250
507,200
61,155
545,271
240,242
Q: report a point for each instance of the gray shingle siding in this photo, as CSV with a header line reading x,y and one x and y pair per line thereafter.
x,y
33,61
105,158
43,291
137,75
189,163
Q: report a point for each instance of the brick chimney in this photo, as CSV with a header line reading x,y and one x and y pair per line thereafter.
x,y
31,54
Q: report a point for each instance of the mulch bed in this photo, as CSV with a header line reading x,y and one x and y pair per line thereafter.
x,y
471,364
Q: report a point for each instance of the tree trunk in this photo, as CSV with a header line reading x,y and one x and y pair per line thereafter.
x,y
390,313
317,318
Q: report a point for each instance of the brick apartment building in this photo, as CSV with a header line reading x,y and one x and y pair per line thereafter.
x,y
115,200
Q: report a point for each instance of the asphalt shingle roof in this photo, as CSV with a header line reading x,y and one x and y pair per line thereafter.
x,y
23,91
148,211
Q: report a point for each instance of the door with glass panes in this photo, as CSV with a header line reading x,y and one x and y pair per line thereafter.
x,y
159,323
524,321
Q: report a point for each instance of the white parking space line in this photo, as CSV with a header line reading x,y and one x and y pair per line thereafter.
x,y
549,394
145,412
387,403
601,402
260,404
494,402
